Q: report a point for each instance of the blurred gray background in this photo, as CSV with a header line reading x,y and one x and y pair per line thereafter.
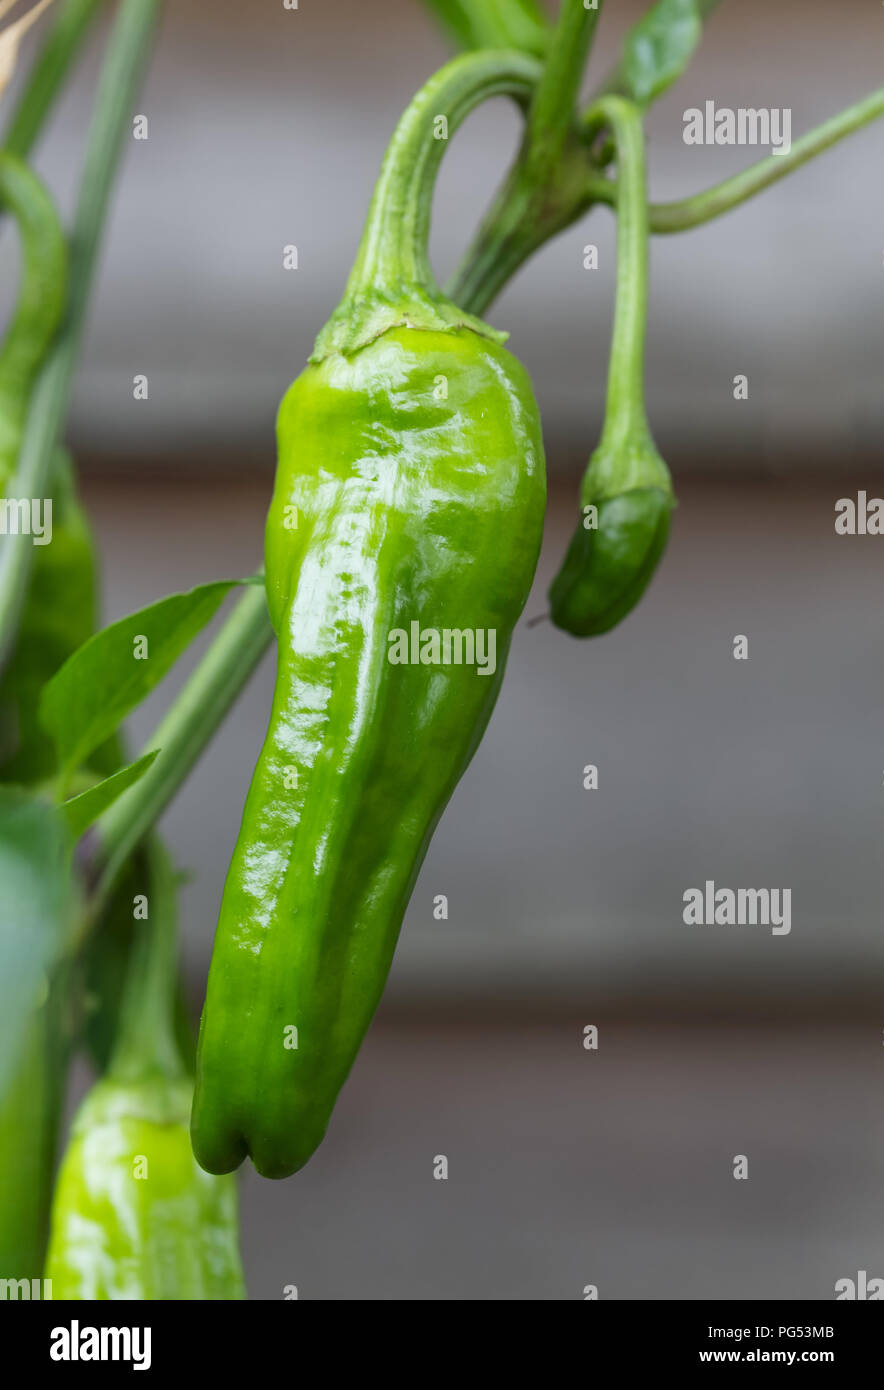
x,y
567,1167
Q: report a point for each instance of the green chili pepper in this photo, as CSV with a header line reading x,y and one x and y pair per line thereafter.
x,y
409,499
626,496
134,1216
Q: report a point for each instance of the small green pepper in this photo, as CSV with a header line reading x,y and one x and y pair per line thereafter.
x,y
626,495
401,543
134,1216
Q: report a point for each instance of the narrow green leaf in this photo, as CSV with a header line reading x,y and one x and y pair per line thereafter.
x,y
109,675
659,47
82,810
35,908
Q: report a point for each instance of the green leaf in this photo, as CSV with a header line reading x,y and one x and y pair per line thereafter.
x,y
113,672
35,909
518,24
659,47
82,810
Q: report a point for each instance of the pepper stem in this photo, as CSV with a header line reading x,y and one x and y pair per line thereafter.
x,y
146,1045
625,409
391,282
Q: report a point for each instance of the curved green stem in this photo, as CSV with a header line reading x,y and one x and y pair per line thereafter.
x,y
48,74
391,281
183,733
393,249
702,207
625,398
40,304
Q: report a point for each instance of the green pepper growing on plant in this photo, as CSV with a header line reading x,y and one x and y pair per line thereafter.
x,y
626,495
134,1216
409,495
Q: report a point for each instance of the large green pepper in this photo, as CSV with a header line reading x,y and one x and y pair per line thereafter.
x,y
134,1216
626,495
409,500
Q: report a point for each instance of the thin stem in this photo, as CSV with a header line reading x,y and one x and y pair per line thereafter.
x,y
549,185
391,283
625,398
552,110
48,74
702,207
183,734
505,242
126,56
521,219
145,1044
393,249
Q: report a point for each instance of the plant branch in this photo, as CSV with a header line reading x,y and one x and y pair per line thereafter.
x,y
182,735
499,253
702,207
552,111
548,186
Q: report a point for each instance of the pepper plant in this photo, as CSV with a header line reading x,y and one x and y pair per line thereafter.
x,y
402,538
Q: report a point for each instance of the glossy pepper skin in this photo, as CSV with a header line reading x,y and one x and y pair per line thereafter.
x,y
409,509
134,1216
610,563
626,496
409,491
